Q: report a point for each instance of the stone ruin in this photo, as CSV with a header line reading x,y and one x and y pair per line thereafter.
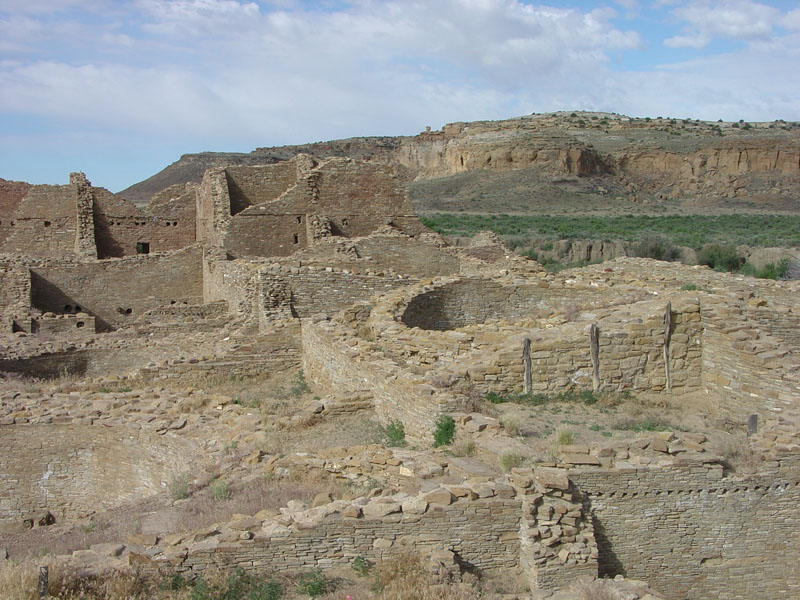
x,y
322,265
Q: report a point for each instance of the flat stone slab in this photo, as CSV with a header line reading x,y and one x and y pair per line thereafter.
x,y
470,467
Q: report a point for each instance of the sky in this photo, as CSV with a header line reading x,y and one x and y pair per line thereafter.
x,y
120,89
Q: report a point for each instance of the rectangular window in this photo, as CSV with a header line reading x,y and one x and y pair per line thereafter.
x,y
142,247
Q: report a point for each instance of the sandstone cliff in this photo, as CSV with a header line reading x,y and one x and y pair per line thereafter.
x,y
642,159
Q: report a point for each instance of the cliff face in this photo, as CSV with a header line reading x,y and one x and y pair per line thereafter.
x,y
647,159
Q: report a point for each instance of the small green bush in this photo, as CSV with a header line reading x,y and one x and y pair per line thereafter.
x,y
444,432
361,566
239,586
720,257
689,287
218,490
299,385
179,487
313,583
395,434
657,247
510,460
564,436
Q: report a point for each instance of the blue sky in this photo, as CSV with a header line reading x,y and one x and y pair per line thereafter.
x,y
120,89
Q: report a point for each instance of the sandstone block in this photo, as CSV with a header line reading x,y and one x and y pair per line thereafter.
x,y
382,544
439,496
381,509
415,506
553,479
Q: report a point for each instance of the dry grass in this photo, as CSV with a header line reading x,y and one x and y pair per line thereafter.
x,y
599,589
512,424
18,581
511,460
405,577
740,456
463,447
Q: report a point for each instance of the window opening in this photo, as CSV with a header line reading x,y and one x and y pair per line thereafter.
x,y
142,247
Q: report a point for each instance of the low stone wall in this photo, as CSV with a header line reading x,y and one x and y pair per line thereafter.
x,y
482,531
71,470
305,291
693,534
336,360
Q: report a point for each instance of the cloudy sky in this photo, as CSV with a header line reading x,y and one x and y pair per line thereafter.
x,y
121,88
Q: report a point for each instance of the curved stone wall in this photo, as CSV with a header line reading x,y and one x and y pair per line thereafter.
x,y
474,301
71,470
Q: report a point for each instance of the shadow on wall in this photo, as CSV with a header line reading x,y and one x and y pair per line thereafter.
x,y
48,298
107,246
608,563
48,366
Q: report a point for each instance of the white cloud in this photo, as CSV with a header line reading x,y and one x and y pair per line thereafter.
x,y
735,19
231,75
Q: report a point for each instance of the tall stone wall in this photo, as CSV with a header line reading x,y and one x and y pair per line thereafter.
x,y
120,226
117,291
693,534
249,186
71,470
213,208
44,223
15,294
11,194
356,198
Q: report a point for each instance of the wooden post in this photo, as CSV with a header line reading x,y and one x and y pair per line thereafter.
x,y
44,585
526,361
667,337
594,339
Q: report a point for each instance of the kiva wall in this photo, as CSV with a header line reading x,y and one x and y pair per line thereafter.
x,y
116,291
751,371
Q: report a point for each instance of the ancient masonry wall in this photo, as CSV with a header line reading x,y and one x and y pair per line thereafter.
x,y
233,281
483,532
120,227
44,223
335,359
355,197
692,534
630,355
85,244
116,291
473,301
248,185
11,194
69,469
213,211
15,294
752,372
305,291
